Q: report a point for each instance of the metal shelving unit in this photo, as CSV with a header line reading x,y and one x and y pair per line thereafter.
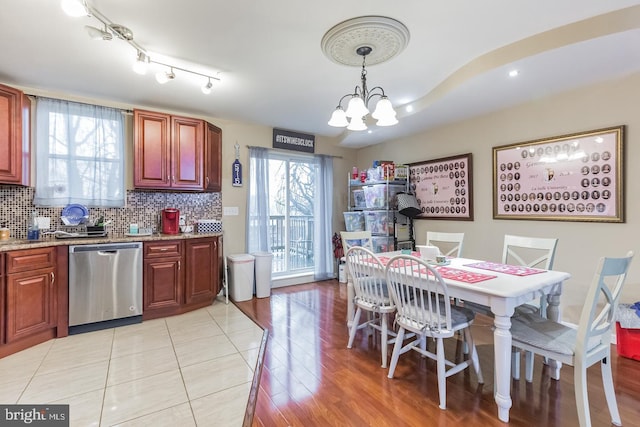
x,y
377,202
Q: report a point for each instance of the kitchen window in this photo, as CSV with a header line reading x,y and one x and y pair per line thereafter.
x,y
79,154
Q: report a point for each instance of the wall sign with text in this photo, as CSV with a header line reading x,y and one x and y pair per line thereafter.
x,y
295,141
443,187
577,177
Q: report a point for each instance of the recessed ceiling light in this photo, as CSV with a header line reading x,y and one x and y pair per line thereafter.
x,y
409,108
513,73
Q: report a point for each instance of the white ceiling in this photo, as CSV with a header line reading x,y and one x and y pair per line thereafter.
x,y
274,73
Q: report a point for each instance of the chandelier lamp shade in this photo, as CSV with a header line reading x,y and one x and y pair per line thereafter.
x,y
80,8
353,118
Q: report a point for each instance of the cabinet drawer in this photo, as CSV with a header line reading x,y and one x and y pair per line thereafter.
x,y
30,259
162,249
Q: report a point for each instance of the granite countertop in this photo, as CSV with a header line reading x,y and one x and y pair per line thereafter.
x,y
51,240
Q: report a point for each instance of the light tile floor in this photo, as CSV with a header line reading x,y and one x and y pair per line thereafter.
x,y
193,369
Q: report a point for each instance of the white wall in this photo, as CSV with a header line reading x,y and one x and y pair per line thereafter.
x,y
580,243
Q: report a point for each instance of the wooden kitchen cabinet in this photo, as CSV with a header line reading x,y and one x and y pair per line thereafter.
x,y
14,136
168,152
2,303
31,294
213,158
180,275
163,278
202,282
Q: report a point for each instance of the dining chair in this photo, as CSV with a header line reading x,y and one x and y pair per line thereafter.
x,y
450,244
534,252
371,295
589,343
424,309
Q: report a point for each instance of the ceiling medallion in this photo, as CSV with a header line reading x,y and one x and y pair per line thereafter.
x,y
385,36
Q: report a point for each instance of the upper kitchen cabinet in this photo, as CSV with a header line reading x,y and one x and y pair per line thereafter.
x,y
213,158
14,136
168,152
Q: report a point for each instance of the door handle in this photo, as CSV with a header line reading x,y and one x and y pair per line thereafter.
x,y
179,265
53,277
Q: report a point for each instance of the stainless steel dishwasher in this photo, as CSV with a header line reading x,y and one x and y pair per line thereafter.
x,y
105,286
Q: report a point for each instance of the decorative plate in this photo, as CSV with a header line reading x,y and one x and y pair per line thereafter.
x,y
75,214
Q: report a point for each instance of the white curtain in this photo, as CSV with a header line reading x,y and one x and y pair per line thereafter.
x,y
79,154
323,218
257,239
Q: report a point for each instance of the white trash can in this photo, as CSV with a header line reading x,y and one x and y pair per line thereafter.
x,y
342,270
263,273
240,276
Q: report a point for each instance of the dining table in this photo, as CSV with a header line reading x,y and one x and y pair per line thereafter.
x,y
502,288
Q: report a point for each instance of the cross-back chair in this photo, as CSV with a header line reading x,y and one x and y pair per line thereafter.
x,y
450,244
423,308
590,343
371,295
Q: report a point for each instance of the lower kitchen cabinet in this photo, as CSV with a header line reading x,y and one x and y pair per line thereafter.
x,y
202,284
180,275
30,294
163,278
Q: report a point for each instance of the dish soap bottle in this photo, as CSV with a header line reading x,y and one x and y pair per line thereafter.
x,y
33,231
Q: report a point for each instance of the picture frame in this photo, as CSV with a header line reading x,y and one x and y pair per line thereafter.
x,y
575,177
444,187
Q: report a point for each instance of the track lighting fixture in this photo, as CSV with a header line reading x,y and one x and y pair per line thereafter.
x,y
78,8
206,89
97,33
163,77
142,63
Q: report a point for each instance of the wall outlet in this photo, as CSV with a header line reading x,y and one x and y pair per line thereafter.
x,y
44,223
230,210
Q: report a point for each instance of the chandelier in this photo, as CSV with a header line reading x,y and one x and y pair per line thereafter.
x,y
358,106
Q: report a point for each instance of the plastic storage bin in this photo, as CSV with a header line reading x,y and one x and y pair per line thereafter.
x,y
628,342
241,276
382,244
376,195
359,201
354,221
379,222
263,262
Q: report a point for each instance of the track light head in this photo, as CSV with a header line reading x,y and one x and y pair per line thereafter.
x,y
142,63
97,33
163,77
206,89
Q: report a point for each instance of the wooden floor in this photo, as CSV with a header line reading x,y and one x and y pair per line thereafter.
x,y
310,378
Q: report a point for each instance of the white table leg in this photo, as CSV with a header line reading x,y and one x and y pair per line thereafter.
x,y
553,313
502,365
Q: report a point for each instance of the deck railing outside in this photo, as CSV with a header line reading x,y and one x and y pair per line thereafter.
x,y
298,254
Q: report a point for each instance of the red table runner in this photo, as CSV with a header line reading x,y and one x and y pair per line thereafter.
x,y
516,270
461,275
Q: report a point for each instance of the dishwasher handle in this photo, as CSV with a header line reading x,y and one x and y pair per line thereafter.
x,y
112,252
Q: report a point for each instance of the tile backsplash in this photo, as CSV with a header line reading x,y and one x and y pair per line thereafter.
x,y
143,208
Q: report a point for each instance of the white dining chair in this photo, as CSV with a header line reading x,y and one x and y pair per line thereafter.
x,y
590,343
371,296
450,244
424,309
534,252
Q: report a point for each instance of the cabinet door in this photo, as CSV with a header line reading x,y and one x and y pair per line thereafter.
x,y
30,303
2,303
187,139
162,283
152,151
14,136
213,158
202,283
